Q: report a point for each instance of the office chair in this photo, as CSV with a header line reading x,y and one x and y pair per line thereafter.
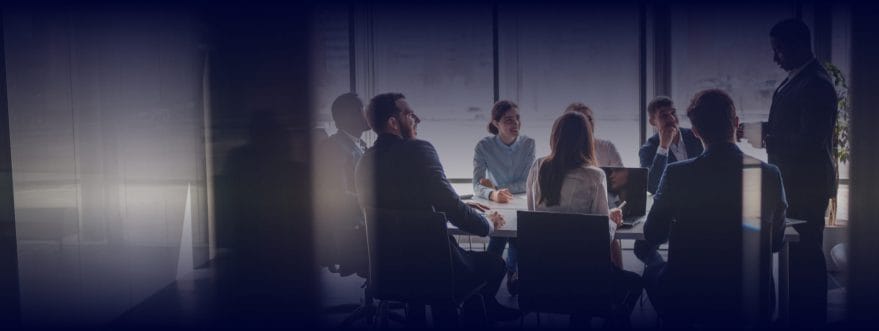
x,y
410,261
564,265
347,256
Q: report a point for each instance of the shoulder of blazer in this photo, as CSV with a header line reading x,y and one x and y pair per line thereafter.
x,y
673,168
691,142
821,80
813,78
648,151
340,140
418,148
651,142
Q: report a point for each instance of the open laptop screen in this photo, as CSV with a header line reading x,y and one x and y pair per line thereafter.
x,y
629,185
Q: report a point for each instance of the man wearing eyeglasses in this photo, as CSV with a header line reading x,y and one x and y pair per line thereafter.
x,y
403,173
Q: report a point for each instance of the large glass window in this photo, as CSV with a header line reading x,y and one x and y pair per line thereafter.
x,y
551,56
726,47
440,57
331,69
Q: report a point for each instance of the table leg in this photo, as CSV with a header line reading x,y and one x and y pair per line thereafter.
x,y
784,286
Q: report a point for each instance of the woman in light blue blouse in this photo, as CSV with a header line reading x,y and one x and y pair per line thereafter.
x,y
500,168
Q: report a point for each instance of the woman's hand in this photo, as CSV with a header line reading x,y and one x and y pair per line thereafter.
x,y
616,215
502,196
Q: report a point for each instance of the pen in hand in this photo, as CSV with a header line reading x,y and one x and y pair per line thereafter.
x,y
616,214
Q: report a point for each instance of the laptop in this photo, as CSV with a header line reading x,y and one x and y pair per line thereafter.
x,y
627,185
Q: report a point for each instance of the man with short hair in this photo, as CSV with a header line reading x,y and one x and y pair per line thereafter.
x,y
340,229
698,210
799,140
345,147
404,173
670,144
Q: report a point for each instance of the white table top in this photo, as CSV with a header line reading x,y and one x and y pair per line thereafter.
x,y
519,202
509,230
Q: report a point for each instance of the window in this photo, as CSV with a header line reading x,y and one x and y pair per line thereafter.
x,y
440,57
726,47
331,69
551,56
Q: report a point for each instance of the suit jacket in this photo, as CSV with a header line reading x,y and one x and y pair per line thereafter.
x,y
406,174
799,134
656,163
698,211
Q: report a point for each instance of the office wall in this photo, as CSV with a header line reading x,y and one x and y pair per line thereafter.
x,y
106,129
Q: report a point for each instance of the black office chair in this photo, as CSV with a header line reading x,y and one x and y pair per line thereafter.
x,y
564,265
410,261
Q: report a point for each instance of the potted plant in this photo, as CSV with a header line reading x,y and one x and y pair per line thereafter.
x,y
841,147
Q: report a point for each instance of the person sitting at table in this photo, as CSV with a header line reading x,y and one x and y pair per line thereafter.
x,y
568,181
403,173
606,154
698,211
500,168
671,143
339,220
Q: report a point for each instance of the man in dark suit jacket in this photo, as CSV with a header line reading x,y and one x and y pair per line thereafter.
x,y
340,221
798,140
404,173
670,144
698,210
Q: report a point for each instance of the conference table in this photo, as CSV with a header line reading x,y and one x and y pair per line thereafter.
x,y
636,232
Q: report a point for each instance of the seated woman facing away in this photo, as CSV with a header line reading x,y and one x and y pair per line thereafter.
x,y
606,155
568,181
500,168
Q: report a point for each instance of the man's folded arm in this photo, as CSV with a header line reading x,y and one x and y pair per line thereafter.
x,y
444,198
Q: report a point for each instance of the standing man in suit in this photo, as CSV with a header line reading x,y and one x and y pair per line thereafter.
x,y
339,213
798,140
697,209
670,144
404,173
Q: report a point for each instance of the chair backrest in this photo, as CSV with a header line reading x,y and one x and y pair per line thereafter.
x,y
564,262
409,255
